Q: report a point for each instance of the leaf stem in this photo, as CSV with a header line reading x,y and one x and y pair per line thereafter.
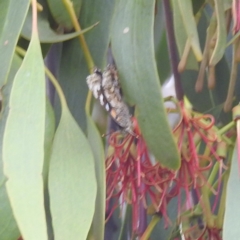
x,y
150,227
34,17
226,128
173,50
69,6
90,63
221,211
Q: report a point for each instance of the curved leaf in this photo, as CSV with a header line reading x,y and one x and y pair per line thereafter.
x,y
48,139
72,182
161,47
220,46
60,13
23,142
46,34
98,152
186,10
134,55
181,37
10,29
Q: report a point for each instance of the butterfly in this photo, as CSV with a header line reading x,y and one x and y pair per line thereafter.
x,y
105,87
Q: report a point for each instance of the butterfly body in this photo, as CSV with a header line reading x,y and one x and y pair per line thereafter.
x,y
105,87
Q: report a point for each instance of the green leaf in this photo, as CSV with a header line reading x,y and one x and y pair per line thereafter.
x,y
72,182
181,37
23,143
46,34
60,13
48,139
10,28
220,46
231,226
197,5
135,58
98,152
186,11
8,225
161,47
73,67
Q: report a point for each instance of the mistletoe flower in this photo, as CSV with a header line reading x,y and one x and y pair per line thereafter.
x,y
197,142
133,176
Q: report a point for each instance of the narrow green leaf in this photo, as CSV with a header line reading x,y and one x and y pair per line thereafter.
x,y
60,13
99,157
46,33
160,42
10,29
186,11
231,226
8,225
23,142
220,46
48,139
126,223
72,182
135,58
181,37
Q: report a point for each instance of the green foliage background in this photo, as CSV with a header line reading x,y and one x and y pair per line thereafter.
x,y
52,171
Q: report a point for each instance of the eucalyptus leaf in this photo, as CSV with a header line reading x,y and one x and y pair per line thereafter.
x,y
46,33
60,13
135,58
23,142
220,46
95,142
181,37
186,11
72,182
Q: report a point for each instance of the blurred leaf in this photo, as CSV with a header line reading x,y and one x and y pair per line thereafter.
x,y
161,232
181,37
113,225
220,46
134,55
46,34
8,225
208,99
72,182
197,5
160,42
23,142
98,153
126,227
231,226
186,11
60,13
227,4
10,28
73,67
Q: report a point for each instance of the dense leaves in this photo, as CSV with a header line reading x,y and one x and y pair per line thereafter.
x,y
162,181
